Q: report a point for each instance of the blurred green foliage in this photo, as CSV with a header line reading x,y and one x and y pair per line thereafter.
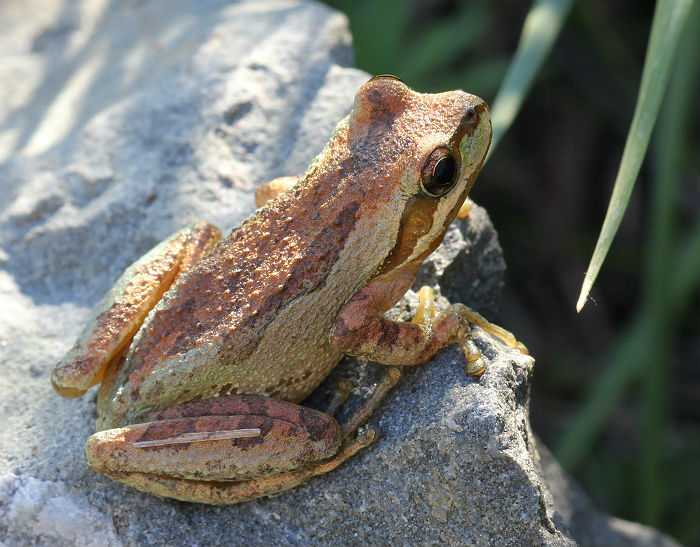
x,y
670,18
617,387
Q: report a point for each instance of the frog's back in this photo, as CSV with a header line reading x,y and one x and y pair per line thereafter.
x,y
221,310
274,259
255,314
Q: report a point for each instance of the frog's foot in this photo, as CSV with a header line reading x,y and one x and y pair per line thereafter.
x,y
270,190
465,209
426,315
224,450
499,332
121,312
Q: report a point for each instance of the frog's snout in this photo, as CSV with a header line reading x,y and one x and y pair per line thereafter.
x,y
474,132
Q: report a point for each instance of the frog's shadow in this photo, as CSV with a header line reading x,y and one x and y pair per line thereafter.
x,y
445,372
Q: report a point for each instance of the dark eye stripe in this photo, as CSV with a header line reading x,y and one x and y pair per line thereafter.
x,y
439,173
416,221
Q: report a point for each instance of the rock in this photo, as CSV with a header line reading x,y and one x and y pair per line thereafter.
x,y
122,122
48,509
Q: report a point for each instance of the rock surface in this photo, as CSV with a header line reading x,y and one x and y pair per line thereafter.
x,y
121,122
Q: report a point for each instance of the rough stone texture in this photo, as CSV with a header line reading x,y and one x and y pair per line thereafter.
x,y
468,267
122,121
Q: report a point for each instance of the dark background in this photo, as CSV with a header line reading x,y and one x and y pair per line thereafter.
x,y
546,188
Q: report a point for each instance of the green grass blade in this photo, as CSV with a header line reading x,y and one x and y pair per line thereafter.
x,y
624,360
434,47
684,280
667,26
540,30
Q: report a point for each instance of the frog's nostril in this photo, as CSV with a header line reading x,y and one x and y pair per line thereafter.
x,y
471,117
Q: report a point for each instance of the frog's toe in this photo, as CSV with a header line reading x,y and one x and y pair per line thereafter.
x,y
270,190
476,365
521,348
425,312
366,436
465,209
495,330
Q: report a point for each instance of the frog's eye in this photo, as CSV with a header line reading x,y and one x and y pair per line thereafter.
x,y
439,173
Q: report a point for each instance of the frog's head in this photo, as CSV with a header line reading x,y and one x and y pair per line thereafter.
x,y
429,147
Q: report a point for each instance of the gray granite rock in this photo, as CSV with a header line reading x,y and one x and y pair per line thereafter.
x,y
121,122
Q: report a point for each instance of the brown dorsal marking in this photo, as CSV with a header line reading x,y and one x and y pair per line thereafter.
x,y
309,273
277,256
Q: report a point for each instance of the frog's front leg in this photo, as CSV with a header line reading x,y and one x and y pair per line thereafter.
x,y
226,449
121,312
361,329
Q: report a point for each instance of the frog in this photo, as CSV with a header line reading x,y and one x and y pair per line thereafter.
x,y
205,347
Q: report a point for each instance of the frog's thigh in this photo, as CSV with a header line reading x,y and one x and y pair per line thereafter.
x,y
121,311
228,492
270,190
222,450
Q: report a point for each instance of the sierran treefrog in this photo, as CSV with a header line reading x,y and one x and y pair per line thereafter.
x,y
204,346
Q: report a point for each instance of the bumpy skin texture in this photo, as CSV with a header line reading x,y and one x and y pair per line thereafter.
x,y
271,309
225,328
301,434
122,310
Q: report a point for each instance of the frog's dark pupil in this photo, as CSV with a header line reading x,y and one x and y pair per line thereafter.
x,y
444,171
443,177
439,172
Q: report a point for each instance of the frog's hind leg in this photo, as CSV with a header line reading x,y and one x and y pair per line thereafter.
x,y
121,312
389,380
233,448
229,492
224,450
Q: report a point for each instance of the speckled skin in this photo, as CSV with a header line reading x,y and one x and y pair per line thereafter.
x,y
271,309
